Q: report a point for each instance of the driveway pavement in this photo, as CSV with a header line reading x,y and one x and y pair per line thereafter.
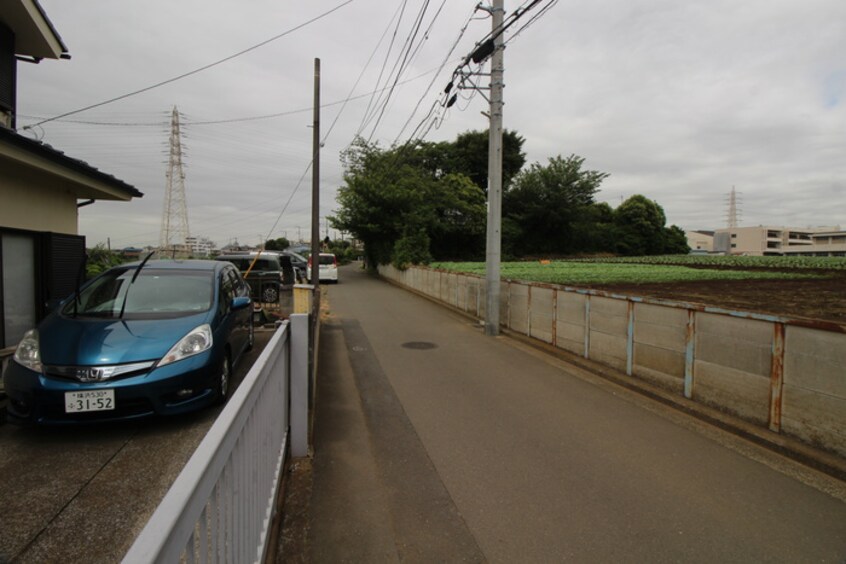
x,y
83,494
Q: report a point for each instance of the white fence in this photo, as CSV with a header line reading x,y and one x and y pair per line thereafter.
x,y
221,506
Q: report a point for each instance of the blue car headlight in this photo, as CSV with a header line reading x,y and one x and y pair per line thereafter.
x,y
196,341
28,353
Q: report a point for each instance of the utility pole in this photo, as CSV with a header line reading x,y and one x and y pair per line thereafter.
x,y
494,233
315,194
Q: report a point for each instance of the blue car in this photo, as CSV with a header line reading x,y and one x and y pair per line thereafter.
x,y
141,339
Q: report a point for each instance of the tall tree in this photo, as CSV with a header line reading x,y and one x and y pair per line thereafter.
x,y
641,229
376,201
469,156
407,194
676,241
544,203
459,215
279,244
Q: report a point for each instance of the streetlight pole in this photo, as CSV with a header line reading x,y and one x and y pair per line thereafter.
x,y
494,231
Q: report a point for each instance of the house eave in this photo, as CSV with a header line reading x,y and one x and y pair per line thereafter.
x,y
35,35
85,181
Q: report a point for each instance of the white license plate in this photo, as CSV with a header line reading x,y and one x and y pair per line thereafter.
x,y
91,400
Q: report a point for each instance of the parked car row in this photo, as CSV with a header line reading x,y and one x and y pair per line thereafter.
x,y
147,338
267,274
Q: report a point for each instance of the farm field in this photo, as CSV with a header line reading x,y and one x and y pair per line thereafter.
x,y
809,287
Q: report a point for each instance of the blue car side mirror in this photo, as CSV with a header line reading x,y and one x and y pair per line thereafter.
x,y
241,302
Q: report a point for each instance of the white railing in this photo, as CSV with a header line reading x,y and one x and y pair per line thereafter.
x,y
220,507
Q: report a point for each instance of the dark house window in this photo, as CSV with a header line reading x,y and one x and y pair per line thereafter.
x,y
36,270
8,69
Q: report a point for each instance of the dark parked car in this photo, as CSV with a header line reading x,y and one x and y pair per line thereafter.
x,y
267,275
141,339
300,264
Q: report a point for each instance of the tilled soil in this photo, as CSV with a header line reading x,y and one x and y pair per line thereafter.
x,y
819,299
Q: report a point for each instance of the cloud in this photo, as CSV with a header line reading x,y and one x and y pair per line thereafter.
x,y
677,101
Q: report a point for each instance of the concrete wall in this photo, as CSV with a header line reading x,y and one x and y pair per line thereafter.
x,y
660,345
772,371
732,365
814,391
608,325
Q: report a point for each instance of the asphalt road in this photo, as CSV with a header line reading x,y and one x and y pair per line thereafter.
x,y
83,494
434,442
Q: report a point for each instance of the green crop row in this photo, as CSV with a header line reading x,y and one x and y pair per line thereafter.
x,y
578,273
782,263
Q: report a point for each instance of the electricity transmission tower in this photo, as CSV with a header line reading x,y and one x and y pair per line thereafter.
x,y
174,232
733,210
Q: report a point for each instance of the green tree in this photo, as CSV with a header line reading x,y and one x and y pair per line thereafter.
x,y
676,241
411,248
99,259
545,203
641,229
278,244
393,194
457,220
468,155
382,199
593,229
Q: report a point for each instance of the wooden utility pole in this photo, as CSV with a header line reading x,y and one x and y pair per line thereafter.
x,y
315,194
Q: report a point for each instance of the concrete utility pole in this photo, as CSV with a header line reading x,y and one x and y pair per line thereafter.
x,y
315,193
494,235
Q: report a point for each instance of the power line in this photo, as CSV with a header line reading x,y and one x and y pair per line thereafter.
x,y
222,121
367,115
401,64
434,78
195,71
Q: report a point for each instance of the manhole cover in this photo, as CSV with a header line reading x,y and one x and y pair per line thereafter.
x,y
419,345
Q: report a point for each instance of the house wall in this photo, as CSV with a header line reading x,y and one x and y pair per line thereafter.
x,y
30,202
775,372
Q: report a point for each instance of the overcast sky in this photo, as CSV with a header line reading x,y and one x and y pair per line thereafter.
x,y
678,101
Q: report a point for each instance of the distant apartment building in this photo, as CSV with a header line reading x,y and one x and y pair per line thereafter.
x,y
201,247
776,241
825,244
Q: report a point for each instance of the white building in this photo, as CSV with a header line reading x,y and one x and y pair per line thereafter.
x,y
776,241
700,241
200,247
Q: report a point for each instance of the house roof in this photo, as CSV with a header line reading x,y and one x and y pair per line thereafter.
x,y
35,35
85,180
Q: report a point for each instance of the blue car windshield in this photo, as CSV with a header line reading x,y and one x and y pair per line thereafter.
x,y
155,294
